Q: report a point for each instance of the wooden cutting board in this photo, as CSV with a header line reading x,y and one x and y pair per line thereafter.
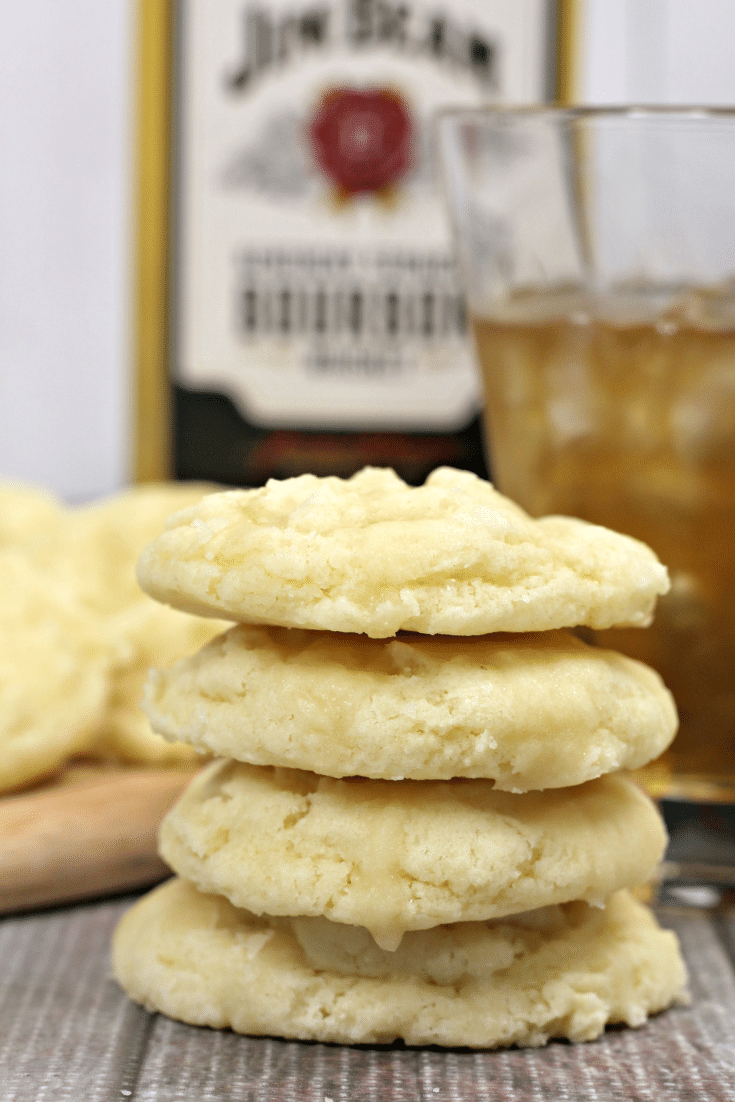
x,y
88,832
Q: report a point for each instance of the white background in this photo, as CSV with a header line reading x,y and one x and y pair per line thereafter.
x,y
66,151
65,232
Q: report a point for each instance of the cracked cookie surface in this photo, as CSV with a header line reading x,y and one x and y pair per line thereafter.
x,y
373,555
394,856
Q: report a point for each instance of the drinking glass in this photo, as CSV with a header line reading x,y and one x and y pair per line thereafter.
x,y
597,247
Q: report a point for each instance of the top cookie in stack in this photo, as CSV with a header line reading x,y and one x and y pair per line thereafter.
x,y
375,556
418,838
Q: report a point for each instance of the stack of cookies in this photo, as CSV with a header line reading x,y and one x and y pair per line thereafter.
x,y
418,828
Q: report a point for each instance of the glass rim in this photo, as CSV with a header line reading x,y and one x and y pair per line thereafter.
x,y
562,112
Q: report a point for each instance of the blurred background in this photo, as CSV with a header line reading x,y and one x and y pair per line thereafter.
x,y
67,205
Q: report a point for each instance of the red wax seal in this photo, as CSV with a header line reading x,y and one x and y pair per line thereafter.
x,y
362,138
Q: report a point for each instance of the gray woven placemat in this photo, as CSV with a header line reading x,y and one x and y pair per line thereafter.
x,y
68,1034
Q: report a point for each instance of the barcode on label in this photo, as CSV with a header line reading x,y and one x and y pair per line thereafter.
x,y
385,296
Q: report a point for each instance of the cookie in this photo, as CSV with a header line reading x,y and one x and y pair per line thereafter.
x,y
27,513
101,542
564,973
147,633
405,855
529,711
79,571
99,546
54,673
373,555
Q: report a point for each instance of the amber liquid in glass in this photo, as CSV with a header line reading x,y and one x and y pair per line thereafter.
x,y
627,418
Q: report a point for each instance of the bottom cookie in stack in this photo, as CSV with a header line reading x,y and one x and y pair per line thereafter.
x,y
560,972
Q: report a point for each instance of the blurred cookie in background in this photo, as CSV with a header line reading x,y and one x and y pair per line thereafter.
x,y
56,662
77,634
101,544
148,634
27,512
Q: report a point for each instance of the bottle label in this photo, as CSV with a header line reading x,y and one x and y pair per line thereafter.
x,y
316,284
